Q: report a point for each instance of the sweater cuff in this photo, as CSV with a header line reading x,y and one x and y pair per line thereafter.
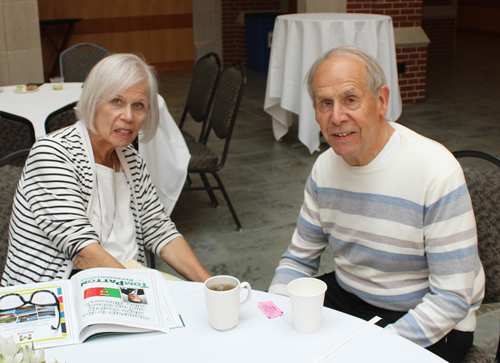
x,y
279,289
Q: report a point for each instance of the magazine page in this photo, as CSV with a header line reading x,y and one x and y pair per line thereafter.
x,y
116,300
39,313
172,318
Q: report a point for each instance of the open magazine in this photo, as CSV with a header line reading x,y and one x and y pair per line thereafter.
x,y
100,300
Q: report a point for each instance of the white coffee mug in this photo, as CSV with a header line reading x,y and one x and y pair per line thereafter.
x,y
222,295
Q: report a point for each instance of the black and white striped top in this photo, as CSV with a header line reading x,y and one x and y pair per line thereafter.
x,y
49,223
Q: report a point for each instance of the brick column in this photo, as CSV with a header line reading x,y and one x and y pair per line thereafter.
x,y
412,82
407,21
234,45
440,24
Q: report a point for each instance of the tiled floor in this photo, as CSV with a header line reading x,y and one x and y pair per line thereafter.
x,y
265,178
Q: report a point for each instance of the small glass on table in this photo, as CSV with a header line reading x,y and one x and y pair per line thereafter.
x,y
57,83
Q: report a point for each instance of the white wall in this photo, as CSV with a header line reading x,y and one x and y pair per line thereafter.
x,y
20,47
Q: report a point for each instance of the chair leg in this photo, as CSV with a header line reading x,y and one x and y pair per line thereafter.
x,y
228,201
190,182
210,192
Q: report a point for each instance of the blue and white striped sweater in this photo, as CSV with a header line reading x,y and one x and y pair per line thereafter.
x,y
402,233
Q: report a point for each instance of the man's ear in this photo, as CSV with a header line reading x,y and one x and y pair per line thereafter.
x,y
383,100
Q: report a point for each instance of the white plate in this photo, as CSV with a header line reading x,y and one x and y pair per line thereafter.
x,y
33,90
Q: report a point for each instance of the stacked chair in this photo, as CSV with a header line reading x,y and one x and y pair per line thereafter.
x,y
484,189
204,160
201,93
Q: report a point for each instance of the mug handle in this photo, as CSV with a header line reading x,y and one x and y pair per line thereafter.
x,y
249,294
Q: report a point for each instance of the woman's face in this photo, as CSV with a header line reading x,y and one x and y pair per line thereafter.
x,y
120,117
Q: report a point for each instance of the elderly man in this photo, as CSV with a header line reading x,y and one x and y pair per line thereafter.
x,y
394,207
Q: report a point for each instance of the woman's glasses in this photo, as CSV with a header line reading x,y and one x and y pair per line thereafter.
x,y
38,298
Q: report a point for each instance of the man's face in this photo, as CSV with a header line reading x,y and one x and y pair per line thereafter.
x,y
351,119
134,298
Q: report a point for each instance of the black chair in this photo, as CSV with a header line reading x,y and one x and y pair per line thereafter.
x,y
77,61
60,118
9,177
222,119
201,93
17,134
484,189
477,154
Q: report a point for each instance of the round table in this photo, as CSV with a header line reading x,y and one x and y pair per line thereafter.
x,y
255,339
298,40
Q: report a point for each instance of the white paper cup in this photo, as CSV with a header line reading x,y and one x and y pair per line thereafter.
x,y
224,306
307,296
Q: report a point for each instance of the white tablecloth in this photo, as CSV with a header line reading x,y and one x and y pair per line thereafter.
x,y
166,155
298,40
255,339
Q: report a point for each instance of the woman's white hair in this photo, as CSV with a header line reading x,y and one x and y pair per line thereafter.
x,y
111,76
375,77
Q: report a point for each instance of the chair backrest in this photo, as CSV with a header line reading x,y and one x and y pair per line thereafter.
x,y
226,104
202,89
77,61
60,118
484,189
17,133
9,177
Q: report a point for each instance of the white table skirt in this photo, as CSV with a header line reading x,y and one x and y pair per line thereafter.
x,y
166,155
255,339
298,40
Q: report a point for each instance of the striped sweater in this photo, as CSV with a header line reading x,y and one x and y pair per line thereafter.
x,y
49,223
403,236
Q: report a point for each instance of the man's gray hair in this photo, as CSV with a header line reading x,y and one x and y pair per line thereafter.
x,y
375,77
111,76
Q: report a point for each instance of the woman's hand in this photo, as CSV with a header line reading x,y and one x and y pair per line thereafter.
x,y
94,255
178,254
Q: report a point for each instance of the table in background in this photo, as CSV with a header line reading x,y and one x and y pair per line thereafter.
x,y
255,339
166,155
298,40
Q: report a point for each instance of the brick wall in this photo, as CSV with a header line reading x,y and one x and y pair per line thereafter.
x,y
412,82
437,2
442,34
441,27
233,34
404,13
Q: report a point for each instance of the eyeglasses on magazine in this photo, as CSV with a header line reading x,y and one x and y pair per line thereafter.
x,y
38,298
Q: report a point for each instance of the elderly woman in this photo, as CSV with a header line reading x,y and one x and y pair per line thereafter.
x,y
85,198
